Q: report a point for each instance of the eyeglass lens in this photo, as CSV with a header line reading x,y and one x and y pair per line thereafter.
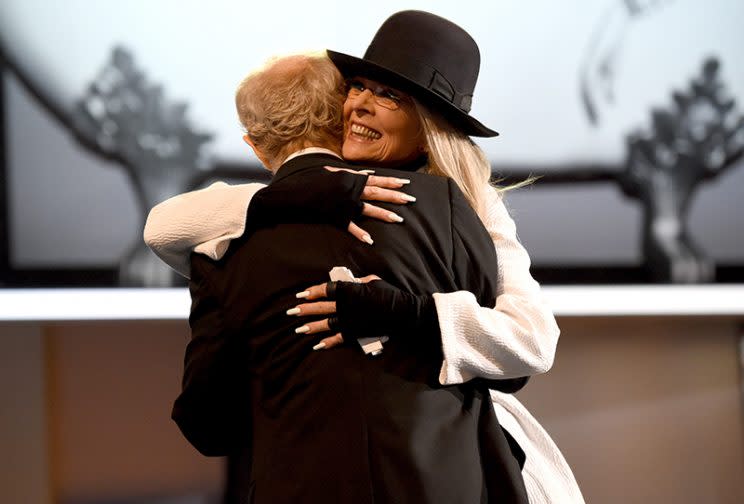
x,y
383,96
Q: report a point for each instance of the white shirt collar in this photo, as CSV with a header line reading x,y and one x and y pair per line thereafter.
x,y
311,150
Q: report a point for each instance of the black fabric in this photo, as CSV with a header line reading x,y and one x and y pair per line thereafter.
x,y
337,426
494,441
333,324
412,166
428,57
205,411
318,196
509,386
331,289
378,308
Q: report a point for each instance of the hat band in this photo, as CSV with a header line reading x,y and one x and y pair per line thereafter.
x,y
440,85
423,75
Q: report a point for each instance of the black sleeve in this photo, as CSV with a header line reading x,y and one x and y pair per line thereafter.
x,y
475,266
377,308
474,260
207,410
312,195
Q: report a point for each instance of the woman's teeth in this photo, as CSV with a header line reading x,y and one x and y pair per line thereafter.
x,y
360,130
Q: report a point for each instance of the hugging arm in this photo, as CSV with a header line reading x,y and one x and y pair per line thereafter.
x,y
515,337
377,307
210,409
510,338
313,195
205,221
476,266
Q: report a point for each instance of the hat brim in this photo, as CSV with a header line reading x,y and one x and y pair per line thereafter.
x,y
351,66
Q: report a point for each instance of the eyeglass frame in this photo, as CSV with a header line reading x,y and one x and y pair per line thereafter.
x,y
391,101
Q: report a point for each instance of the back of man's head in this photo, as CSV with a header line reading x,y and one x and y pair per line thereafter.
x,y
290,103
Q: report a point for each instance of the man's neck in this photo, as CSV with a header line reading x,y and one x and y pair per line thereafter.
x,y
313,150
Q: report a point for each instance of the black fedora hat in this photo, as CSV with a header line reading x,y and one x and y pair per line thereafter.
x,y
428,57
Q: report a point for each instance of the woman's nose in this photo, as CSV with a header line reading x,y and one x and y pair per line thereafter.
x,y
363,101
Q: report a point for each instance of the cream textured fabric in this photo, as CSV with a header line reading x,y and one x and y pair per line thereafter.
x,y
516,338
203,221
547,475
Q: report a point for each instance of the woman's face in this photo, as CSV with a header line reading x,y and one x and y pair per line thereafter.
x,y
375,133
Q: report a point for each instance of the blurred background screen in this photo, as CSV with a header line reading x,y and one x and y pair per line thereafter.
x,y
631,111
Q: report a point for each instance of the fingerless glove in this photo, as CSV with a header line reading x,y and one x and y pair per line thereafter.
x,y
378,308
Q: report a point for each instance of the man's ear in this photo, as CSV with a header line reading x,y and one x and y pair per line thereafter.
x,y
258,152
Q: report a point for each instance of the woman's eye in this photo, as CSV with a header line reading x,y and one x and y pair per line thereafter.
x,y
390,95
356,85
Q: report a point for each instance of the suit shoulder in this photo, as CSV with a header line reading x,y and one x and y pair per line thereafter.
x,y
201,268
201,261
306,161
435,182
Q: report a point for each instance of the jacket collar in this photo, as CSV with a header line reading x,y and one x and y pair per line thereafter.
x,y
307,160
312,150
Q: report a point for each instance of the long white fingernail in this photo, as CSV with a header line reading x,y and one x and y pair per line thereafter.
x,y
366,171
367,239
302,294
408,197
404,181
395,217
319,346
293,311
302,329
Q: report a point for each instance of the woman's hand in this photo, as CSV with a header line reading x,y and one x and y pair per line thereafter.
x,y
330,196
371,307
377,189
321,308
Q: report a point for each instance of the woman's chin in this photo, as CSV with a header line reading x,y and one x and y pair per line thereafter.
x,y
359,152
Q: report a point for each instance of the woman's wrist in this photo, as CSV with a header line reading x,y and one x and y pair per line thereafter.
x,y
378,308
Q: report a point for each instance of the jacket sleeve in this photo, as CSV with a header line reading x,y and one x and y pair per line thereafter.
x,y
517,336
208,411
202,221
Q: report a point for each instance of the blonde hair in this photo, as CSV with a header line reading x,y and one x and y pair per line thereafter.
x,y
453,154
291,102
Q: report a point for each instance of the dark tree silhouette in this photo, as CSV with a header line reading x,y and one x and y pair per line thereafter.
x,y
697,138
131,120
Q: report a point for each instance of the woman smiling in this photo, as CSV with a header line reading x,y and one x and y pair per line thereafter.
x,y
407,106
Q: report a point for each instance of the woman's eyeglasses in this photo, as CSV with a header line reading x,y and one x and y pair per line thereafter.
x,y
383,96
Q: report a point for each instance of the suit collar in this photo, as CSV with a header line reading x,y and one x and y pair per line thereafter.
x,y
310,160
313,157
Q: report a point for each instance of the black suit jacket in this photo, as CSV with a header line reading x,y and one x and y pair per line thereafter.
x,y
338,426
